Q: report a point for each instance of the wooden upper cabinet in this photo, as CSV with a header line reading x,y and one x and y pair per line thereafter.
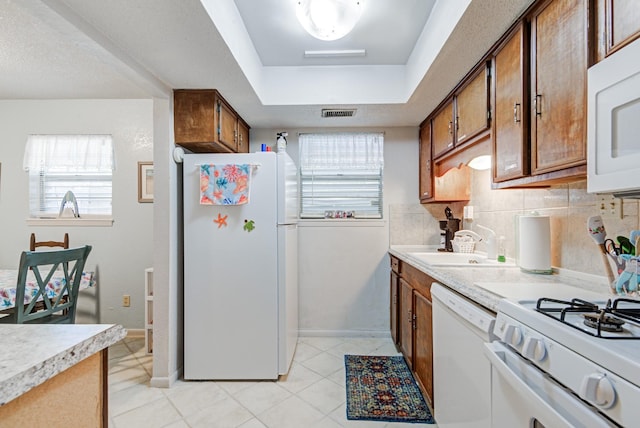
x,y
558,85
194,116
452,185
425,164
205,123
243,136
618,24
464,116
442,130
510,113
226,125
472,108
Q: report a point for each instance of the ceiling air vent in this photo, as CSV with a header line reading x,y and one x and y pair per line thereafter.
x,y
326,112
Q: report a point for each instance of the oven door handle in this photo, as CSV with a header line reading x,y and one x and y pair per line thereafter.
x,y
543,410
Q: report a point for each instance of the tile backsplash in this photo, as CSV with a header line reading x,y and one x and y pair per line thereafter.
x,y
569,206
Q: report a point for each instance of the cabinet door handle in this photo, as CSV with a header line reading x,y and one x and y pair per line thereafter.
x,y
516,112
537,104
450,128
457,123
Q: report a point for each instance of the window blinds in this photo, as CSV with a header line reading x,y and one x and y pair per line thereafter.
x,y
341,173
56,164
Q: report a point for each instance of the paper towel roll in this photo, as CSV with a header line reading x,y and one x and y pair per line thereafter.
x,y
535,244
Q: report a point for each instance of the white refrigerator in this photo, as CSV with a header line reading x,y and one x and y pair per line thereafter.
x,y
241,271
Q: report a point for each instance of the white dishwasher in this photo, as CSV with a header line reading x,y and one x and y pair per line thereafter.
x,y
461,372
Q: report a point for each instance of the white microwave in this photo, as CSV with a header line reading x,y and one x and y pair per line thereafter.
x,y
613,136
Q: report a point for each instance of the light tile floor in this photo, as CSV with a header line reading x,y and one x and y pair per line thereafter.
x,y
312,395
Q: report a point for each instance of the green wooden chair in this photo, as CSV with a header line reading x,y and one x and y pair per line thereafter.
x,y
67,264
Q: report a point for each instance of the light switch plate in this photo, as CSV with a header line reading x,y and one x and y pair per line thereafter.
x,y
467,212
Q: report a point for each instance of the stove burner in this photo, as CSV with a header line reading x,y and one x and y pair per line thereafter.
x,y
603,321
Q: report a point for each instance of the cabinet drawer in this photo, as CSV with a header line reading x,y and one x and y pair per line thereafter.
x,y
395,265
419,280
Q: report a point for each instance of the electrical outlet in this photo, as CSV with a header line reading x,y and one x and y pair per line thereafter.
x,y
610,207
126,300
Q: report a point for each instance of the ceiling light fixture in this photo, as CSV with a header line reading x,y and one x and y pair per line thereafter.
x,y
328,19
335,53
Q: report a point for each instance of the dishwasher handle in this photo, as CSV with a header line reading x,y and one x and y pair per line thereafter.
x,y
464,308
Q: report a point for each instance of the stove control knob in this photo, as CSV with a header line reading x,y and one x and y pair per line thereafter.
x,y
513,335
598,389
534,349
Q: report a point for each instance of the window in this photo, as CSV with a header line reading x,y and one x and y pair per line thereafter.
x,y
341,175
83,164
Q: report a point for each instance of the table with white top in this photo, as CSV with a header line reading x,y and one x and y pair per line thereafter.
x,y
8,282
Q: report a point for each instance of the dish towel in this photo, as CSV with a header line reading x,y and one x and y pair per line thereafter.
x,y
227,184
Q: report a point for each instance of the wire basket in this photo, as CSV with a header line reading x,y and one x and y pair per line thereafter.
x,y
463,246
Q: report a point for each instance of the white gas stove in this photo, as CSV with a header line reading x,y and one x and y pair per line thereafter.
x,y
588,344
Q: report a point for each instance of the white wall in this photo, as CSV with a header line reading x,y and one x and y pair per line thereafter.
x,y
344,267
120,253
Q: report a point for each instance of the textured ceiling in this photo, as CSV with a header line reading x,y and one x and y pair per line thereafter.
x,y
138,49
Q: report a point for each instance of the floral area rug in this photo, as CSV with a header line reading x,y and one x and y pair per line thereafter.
x,y
383,389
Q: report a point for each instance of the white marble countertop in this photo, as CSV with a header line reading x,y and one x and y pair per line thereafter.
x,y
488,285
32,354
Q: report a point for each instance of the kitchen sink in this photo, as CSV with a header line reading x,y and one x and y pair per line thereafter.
x,y
458,259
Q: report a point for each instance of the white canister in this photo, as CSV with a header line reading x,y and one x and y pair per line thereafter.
x,y
534,244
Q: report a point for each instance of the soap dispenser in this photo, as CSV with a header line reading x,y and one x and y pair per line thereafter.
x,y
501,250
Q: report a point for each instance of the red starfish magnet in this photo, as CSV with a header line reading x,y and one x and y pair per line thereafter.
x,y
221,221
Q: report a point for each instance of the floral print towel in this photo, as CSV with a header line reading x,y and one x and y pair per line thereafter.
x,y
225,184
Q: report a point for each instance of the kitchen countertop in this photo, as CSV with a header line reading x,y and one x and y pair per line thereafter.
x,y
488,285
34,353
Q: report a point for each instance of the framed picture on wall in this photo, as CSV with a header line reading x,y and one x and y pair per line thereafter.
x,y
145,181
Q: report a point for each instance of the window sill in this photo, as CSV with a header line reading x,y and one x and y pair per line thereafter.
x,y
341,222
80,222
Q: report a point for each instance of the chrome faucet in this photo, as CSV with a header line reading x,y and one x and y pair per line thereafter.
x,y
69,197
490,241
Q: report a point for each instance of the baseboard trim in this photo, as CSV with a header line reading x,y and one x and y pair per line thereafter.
x,y
344,333
165,382
135,333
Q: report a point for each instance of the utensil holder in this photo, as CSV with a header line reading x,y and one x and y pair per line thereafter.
x,y
627,281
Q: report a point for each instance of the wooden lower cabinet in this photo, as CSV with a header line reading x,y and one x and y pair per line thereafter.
x,y
423,343
75,397
411,322
393,298
405,321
